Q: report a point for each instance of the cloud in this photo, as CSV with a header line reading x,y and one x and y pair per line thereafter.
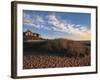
x,y
58,23
38,20
82,36
35,21
78,32
55,23
25,15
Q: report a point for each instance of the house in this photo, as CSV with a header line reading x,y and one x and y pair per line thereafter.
x,y
29,35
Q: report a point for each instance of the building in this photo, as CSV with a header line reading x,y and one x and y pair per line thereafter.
x,y
29,35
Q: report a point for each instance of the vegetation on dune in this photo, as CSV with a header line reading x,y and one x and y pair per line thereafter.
x,y
59,46
47,61
56,53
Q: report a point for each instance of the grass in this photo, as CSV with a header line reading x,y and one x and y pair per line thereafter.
x,y
56,53
49,61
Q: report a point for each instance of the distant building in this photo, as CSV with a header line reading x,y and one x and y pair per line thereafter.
x,y
29,35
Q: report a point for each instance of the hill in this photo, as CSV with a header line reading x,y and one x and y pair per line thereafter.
x,y
61,47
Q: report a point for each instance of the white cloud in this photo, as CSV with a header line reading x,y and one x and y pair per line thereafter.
x,y
26,15
27,20
77,31
36,21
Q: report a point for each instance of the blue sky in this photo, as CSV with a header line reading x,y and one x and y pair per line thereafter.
x,y
75,26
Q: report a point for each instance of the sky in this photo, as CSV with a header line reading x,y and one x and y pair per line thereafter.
x,y
51,25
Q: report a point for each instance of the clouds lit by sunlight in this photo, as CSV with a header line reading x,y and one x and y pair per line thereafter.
x,y
53,23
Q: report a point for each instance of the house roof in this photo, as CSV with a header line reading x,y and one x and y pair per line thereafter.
x,y
31,32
